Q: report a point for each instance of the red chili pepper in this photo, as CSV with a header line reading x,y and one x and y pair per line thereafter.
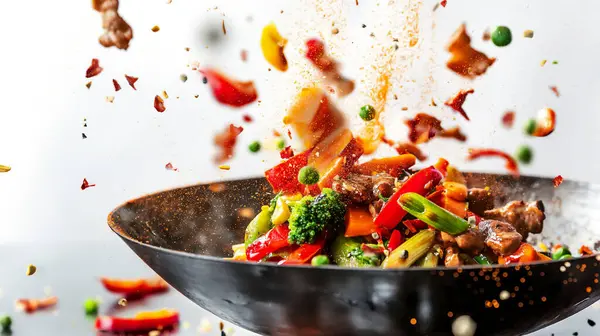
x,y
392,213
143,321
228,91
304,253
372,248
272,241
414,225
287,152
284,176
511,164
31,305
458,100
395,240
138,287
85,184
116,85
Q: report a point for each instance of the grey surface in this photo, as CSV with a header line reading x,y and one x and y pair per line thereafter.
x,y
71,271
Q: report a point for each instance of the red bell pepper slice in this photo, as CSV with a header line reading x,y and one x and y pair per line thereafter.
x,y
304,253
395,240
31,305
414,225
421,183
272,241
228,91
138,287
284,176
511,163
143,321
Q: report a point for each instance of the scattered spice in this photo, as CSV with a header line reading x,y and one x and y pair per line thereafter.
x,y
508,119
335,31
511,164
554,62
228,91
289,133
116,85
31,305
83,136
424,127
226,142
223,27
117,32
94,69
155,29
131,80
286,153
85,184
464,60
272,45
165,94
543,62
244,55
110,99
528,33
558,180
458,100
30,270
224,167
591,323
555,90
88,84
486,35
169,166
4,169
247,118
183,77
123,302
159,104
329,68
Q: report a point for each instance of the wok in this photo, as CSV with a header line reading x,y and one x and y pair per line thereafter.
x,y
184,233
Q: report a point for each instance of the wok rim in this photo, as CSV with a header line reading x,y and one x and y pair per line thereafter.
x,y
117,230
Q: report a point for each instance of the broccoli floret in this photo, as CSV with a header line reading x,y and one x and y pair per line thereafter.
x,y
274,202
313,214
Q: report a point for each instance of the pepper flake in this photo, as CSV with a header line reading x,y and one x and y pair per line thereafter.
x,y
131,80
94,69
159,104
85,184
558,180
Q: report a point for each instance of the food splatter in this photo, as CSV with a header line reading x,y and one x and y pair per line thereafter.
x,y
554,89
464,60
228,91
226,141
329,68
85,184
131,80
508,119
424,127
511,163
94,69
456,102
558,180
117,32
32,305
272,45
169,166
159,104
116,85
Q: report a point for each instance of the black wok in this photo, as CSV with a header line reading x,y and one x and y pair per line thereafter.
x,y
183,234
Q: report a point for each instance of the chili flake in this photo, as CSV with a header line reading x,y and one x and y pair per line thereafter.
x,y
508,119
486,35
464,60
555,90
247,118
169,166
88,84
226,142
159,104
443,3
558,180
458,100
85,184
585,251
116,85
131,80
286,153
223,27
94,69
406,148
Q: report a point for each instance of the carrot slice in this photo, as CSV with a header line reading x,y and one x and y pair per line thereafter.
x,y
358,223
392,165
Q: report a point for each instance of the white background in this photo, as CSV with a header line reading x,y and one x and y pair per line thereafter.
x,y
47,46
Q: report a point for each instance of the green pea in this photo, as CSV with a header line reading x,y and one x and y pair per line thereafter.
x,y
367,113
501,36
320,260
560,252
90,306
308,175
5,323
524,154
254,146
281,144
530,126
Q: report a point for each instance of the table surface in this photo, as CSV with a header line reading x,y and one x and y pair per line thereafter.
x,y
71,272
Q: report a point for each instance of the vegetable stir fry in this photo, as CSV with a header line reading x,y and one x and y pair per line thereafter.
x,y
381,213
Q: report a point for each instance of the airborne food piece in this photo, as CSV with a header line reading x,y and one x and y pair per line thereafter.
x,y
329,68
543,125
141,322
424,127
464,60
226,142
458,100
32,305
525,217
511,164
228,91
94,69
272,45
116,31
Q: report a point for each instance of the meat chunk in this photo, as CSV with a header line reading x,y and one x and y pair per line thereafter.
x,y
117,32
501,237
525,217
471,241
451,257
363,189
447,238
480,200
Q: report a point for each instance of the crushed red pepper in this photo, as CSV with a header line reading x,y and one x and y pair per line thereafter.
x,y
458,100
169,166
244,55
286,153
558,180
226,142
117,32
508,119
131,80
32,305
85,184
94,69
443,3
424,127
464,60
159,104
116,85
511,163
247,118
315,53
555,90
